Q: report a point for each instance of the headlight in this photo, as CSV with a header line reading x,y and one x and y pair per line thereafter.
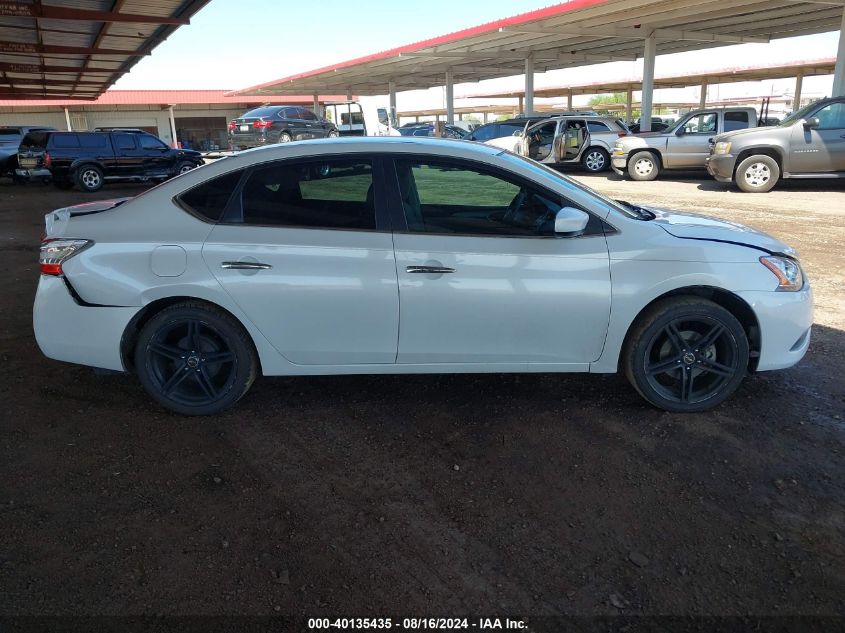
x,y
788,272
722,147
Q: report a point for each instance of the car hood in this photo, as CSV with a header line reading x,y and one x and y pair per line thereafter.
x,y
744,132
690,226
56,221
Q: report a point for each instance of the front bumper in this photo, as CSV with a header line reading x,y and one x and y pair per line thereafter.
x,y
69,331
721,166
619,163
785,320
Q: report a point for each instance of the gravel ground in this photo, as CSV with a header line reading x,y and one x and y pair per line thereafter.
x,y
428,495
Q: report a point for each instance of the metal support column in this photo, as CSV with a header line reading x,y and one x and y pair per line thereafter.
x,y
316,106
569,102
174,142
799,84
649,53
67,120
702,97
629,99
839,71
521,104
450,98
391,113
529,85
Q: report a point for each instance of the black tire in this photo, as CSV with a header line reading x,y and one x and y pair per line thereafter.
x,y
595,160
679,341
172,359
285,137
333,134
64,185
89,178
644,166
184,166
757,174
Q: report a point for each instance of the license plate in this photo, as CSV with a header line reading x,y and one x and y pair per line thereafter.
x,y
244,128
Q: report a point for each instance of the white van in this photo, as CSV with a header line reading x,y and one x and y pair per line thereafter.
x,y
354,119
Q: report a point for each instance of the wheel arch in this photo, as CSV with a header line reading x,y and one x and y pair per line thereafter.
x,y
721,297
766,150
652,150
133,329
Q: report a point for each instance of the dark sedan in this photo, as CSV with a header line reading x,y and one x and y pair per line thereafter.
x,y
277,124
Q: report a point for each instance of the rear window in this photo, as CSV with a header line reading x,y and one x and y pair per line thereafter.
x,y
93,141
65,141
35,139
261,113
209,199
736,121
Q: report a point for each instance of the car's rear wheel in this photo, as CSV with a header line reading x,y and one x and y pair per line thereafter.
x,y
686,354
89,178
195,359
757,174
595,159
285,137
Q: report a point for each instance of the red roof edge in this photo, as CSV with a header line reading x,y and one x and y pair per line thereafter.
x,y
522,18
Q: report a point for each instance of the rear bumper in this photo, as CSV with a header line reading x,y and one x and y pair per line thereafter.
x,y
785,321
720,166
32,174
68,331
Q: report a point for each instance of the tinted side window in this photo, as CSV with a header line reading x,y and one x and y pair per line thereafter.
x,y
832,117
507,129
151,142
329,194
597,126
439,197
209,199
93,141
736,121
66,141
307,114
484,133
125,141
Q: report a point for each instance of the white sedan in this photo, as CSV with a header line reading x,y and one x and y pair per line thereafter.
x,y
397,255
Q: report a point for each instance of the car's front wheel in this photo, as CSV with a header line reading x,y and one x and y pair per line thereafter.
x,y
595,159
686,354
757,174
643,166
184,166
195,359
334,134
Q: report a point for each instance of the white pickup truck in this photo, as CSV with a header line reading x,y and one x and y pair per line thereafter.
x,y
685,146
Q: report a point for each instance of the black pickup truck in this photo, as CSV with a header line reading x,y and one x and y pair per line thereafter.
x,y
89,159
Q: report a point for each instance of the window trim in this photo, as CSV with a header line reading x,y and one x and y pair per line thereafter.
x,y
233,211
177,199
400,223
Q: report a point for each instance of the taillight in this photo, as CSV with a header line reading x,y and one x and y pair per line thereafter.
x,y
232,125
48,162
262,125
621,134
54,252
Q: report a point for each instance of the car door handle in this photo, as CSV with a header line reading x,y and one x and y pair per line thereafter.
x,y
437,270
245,266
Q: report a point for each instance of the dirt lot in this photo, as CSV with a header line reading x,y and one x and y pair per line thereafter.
x,y
427,495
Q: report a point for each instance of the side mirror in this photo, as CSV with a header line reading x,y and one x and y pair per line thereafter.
x,y
812,123
570,220
517,133
679,131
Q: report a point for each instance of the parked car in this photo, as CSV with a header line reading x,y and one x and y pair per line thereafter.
x,y
568,140
501,129
685,146
10,140
656,126
809,143
405,256
427,129
89,159
278,124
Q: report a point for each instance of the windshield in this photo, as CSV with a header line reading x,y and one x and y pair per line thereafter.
x,y
798,115
629,210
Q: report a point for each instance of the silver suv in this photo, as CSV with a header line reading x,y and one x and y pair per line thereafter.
x,y
810,143
684,146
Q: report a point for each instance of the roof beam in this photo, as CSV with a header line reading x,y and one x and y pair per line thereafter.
x,y
510,55
635,33
15,9
21,48
41,69
37,81
24,94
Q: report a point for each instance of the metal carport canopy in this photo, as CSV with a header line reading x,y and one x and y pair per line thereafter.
x,y
76,49
575,33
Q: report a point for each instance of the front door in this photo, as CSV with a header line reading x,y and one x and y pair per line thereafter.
x,y
821,149
689,149
158,159
483,279
301,253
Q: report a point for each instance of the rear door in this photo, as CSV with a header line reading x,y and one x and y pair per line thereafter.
x,y
689,149
306,251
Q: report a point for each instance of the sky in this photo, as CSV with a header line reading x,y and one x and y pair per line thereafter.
x,y
234,44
